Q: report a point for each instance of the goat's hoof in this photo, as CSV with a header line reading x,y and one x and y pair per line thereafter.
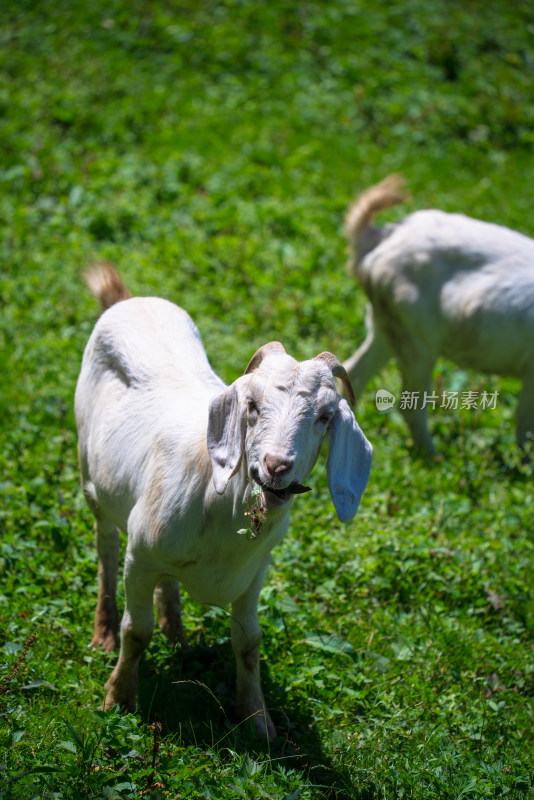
x,y
119,695
261,722
175,633
110,701
264,726
105,640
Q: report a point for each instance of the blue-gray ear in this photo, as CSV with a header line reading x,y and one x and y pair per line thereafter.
x,y
349,462
226,436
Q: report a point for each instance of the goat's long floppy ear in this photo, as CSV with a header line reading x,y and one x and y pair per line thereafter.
x,y
349,462
226,435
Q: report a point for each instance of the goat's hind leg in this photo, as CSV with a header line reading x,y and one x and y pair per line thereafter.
x,y
168,610
416,370
369,358
525,417
106,624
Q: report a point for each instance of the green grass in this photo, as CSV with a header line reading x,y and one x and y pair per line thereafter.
x,y
210,150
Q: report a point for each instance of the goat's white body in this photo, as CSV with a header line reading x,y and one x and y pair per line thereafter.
x,y
446,285
143,450
168,454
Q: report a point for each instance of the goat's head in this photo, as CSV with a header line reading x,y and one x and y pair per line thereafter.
x,y
276,416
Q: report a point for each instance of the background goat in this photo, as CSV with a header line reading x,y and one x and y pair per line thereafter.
x,y
442,285
169,454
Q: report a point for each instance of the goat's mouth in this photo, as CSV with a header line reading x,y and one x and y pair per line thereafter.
x,y
276,497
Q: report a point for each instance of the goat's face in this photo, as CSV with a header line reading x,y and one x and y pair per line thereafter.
x,y
274,419
289,407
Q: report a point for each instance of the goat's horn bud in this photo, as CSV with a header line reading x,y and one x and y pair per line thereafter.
x,y
339,371
259,355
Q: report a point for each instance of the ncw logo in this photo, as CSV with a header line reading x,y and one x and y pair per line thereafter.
x,y
384,400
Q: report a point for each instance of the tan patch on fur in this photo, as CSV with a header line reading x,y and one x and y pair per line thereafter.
x,y
168,607
162,466
106,627
203,461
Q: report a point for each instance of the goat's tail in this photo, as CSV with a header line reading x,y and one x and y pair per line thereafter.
x,y
105,283
362,212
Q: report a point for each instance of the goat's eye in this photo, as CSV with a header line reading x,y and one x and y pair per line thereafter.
x,y
252,408
325,417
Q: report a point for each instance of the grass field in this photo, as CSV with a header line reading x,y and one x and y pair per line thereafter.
x,y
210,150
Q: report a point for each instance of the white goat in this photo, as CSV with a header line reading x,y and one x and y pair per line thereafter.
x,y
442,285
169,454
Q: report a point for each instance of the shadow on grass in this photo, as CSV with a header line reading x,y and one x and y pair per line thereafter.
x,y
191,693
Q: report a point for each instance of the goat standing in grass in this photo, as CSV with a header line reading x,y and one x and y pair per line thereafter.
x,y
169,454
442,285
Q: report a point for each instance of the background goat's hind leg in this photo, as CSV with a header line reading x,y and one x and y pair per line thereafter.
x,y
136,632
368,359
525,416
246,639
416,373
168,610
106,625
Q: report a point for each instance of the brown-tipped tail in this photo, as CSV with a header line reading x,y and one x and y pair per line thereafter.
x,y
361,213
105,283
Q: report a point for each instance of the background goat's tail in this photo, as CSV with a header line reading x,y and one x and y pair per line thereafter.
x,y
105,283
362,212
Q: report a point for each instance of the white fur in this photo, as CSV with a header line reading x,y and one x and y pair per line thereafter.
x,y
443,285
168,454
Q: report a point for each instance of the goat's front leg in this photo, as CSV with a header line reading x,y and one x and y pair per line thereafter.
x,y
106,625
246,639
136,631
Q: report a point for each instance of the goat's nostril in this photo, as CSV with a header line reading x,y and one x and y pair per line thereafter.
x,y
276,465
